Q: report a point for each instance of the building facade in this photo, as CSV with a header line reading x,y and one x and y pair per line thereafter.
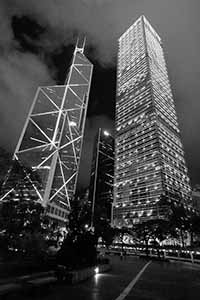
x,y
50,143
196,198
149,157
102,178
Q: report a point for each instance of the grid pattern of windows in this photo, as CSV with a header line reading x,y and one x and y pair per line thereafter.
x,y
149,157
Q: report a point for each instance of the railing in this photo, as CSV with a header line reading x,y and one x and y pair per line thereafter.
x,y
171,254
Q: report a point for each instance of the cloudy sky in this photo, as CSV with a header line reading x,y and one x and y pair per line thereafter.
x,y
36,39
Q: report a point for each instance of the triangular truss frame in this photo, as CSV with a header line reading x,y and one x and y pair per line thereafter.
x,y
51,140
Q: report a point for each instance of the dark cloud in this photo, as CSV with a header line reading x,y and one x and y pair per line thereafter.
x,y
103,21
20,75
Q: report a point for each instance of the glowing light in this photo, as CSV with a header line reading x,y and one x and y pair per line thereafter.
x,y
96,270
106,133
72,123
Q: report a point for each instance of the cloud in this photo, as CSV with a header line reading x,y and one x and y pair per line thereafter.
x,y
20,75
6,34
91,18
103,21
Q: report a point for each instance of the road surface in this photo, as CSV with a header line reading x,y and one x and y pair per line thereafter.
x,y
132,278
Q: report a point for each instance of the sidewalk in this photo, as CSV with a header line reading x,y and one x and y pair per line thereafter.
x,y
11,285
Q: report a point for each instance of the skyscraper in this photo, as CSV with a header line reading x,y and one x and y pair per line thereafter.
x,y
149,159
51,140
102,177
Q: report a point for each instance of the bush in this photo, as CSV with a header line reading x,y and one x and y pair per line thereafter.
x,y
78,251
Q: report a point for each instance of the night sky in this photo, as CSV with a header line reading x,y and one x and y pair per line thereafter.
x,y
37,39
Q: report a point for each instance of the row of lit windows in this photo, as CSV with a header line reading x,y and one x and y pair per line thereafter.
x,y
135,65
141,178
158,65
139,156
170,135
131,60
136,139
169,156
134,92
131,76
126,138
185,189
138,175
134,46
169,124
169,159
125,110
165,104
170,151
136,119
132,98
132,65
56,211
170,117
138,197
169,143
132,70
136,157
132,83
161,77
149,28
165,95
165,110
134,30
149,186
136,134
136,104
135,204
147,159
176,181
139,165
173,179
175,171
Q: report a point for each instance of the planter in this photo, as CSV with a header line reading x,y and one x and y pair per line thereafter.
x,y
73,277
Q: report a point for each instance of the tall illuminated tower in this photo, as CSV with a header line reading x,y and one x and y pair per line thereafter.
x,y
149,157
49,147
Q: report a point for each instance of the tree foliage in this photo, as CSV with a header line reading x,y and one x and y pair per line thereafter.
x,y
23,226
79,247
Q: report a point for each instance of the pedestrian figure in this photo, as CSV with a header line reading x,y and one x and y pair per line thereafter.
x,y
121,255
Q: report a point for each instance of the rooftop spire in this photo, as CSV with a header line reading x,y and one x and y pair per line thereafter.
x,y
80,44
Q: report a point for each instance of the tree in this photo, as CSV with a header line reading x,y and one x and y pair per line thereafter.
x,y
21,221
178,215
193,224
156,230
79,247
